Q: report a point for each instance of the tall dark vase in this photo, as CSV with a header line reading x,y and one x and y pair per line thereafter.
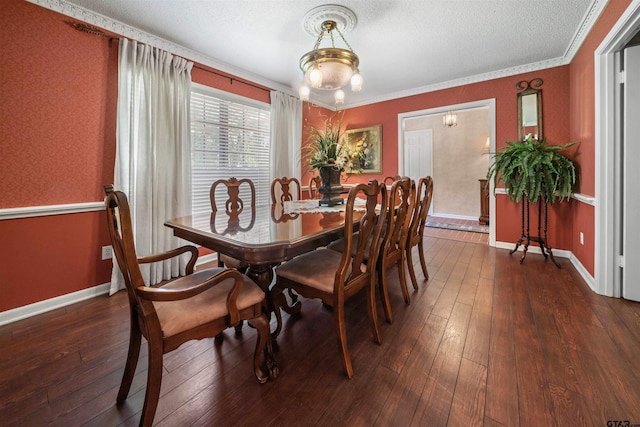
x,y
331,189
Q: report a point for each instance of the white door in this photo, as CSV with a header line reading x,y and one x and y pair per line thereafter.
x,y
631,176
418,155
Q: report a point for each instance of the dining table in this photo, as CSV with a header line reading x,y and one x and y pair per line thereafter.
x,y
265,236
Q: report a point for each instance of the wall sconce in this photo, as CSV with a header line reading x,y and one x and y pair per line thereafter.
x,y
450,119
487,145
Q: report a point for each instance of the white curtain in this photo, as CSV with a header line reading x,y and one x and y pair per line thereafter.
x,y
286,135
153,151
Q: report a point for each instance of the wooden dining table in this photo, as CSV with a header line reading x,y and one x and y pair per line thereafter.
x,y
264,236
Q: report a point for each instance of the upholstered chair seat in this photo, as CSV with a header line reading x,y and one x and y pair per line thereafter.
x,y
181,315
315,269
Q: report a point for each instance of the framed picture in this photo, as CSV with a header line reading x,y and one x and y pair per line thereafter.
x,y
368,141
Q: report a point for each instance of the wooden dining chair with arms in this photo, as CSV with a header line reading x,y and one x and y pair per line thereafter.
x,y
314,187
334,277
415,237
234,205
196,306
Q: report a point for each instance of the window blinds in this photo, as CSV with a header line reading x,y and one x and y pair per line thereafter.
x,y
229,138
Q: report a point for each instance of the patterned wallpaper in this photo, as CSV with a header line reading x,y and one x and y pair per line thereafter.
x,y
57,116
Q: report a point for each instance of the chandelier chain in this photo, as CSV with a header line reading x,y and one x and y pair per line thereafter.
x,y
330,33
318,40
343,39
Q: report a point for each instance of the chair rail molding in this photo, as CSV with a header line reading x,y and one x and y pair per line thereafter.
x,y
46,210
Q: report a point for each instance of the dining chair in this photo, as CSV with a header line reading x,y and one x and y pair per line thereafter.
x,y
394,240
281,190
415,236
314,187
389,180
334,277
234,205
199,305
392,250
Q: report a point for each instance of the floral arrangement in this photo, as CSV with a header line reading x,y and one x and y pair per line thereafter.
x,y
326,147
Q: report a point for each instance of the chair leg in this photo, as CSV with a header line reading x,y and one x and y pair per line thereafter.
x,y
412,272
154,381
423,263
373,312
264,364
238,328
403,279
384,292
135,338
341,333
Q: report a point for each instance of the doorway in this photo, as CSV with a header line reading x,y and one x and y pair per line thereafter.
x,y
405,121
612,217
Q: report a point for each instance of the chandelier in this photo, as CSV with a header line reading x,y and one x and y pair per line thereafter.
x,y
450,119
329,68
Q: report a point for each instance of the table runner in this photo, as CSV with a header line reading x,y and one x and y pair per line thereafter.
x,y
312,206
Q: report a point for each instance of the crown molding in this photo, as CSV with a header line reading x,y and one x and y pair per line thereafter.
x,y
80,13
119,28
492,75
588,21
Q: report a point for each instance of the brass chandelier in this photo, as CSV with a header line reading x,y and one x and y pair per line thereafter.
x,y
330,68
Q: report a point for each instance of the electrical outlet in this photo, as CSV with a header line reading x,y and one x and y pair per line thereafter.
x,y
581,238
107,252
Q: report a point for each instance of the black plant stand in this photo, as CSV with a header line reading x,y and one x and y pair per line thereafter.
x,y
526,236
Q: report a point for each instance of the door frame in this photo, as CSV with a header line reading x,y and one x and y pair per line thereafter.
x,y
608,143
484,103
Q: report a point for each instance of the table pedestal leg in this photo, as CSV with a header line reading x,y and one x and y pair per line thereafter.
x,y
263,276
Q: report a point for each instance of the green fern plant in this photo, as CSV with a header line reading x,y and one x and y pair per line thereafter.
x,y
534,169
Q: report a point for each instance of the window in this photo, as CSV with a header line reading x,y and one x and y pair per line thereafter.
x,y
229,138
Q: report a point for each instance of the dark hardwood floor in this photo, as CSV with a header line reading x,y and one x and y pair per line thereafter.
x,y
486,341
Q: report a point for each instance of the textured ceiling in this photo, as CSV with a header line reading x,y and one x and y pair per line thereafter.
x,y
405,46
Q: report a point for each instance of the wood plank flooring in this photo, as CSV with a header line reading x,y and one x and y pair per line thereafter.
x,y
463,236
486,341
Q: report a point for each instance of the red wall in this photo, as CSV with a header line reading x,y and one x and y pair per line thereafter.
x,y
555,96
57,144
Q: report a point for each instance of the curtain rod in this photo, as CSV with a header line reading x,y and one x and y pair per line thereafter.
x,y
90,29
231,79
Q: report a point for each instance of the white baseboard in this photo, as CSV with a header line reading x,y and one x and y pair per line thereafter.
x,y
588,278
40,307
453,216
534,249
560,253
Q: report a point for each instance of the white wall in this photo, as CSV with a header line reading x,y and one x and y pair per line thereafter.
x,y
458,160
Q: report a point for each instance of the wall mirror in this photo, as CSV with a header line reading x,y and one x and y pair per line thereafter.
x,y
530,109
